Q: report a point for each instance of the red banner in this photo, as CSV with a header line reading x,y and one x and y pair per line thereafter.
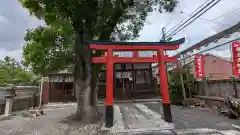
x,y
236,58
199,66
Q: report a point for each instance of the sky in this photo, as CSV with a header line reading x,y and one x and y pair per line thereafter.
x,y
15,20
199,29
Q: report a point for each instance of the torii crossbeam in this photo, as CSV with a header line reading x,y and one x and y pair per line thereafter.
x,y
109,60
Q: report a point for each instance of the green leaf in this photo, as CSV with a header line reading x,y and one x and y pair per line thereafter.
x,y
11,72
50,48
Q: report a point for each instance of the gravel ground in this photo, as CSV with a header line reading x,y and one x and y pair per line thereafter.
x,y
186,118
58,120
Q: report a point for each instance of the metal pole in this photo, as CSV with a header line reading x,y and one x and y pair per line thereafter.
x,y
183,88
235,88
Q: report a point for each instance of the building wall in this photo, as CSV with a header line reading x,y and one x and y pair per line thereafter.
x,y
216,68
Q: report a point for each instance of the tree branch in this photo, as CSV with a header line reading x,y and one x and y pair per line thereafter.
x,y
111,24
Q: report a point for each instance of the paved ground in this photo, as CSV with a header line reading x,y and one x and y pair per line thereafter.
x,y
147,119
130,119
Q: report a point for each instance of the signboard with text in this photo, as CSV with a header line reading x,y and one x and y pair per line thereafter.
x,y
199,66
236,58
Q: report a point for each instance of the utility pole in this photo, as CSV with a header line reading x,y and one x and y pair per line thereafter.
x,y
165,38
182,80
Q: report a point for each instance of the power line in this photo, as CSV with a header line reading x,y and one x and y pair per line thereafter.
x,y
169,22
192,15
226,14
174,33
207,50
182,22
212,21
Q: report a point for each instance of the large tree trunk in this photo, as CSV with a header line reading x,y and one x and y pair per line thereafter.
x,y
94,88
83,79
79,76
85,76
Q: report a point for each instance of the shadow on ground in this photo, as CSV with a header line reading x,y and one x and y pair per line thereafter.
x,y
73,120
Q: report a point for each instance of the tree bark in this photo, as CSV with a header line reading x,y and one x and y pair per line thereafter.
x,y
79,78
94,88
105,35
85,76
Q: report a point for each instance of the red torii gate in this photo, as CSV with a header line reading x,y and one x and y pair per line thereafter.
x,y
109,60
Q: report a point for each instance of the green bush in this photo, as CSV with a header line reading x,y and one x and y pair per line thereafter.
x,y
175,84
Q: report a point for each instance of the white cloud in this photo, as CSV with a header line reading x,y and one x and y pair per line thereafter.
x,y
15,20
3,20
200,28
17,54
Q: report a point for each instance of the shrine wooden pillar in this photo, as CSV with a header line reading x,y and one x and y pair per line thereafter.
x,y
109,89
164,86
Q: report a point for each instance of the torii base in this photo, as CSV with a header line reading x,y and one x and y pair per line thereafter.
x,y
167,112
109,116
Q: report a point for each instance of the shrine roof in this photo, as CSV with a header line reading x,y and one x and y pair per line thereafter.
x,y
175,42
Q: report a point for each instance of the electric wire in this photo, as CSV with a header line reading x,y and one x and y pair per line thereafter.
x,y
211,21
226,14
189,56
174,33
193,14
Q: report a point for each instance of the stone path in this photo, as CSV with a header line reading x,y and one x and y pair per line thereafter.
x,y
139,119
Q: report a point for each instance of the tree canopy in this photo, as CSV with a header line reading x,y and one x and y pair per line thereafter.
x,y
50,48
11,72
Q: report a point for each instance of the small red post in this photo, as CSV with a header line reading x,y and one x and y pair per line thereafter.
x,y
164,86
109,89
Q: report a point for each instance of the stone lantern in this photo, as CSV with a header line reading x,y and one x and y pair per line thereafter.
x,y
9,96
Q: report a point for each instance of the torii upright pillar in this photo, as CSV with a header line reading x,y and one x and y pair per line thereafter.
x,y
109,89
164,86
